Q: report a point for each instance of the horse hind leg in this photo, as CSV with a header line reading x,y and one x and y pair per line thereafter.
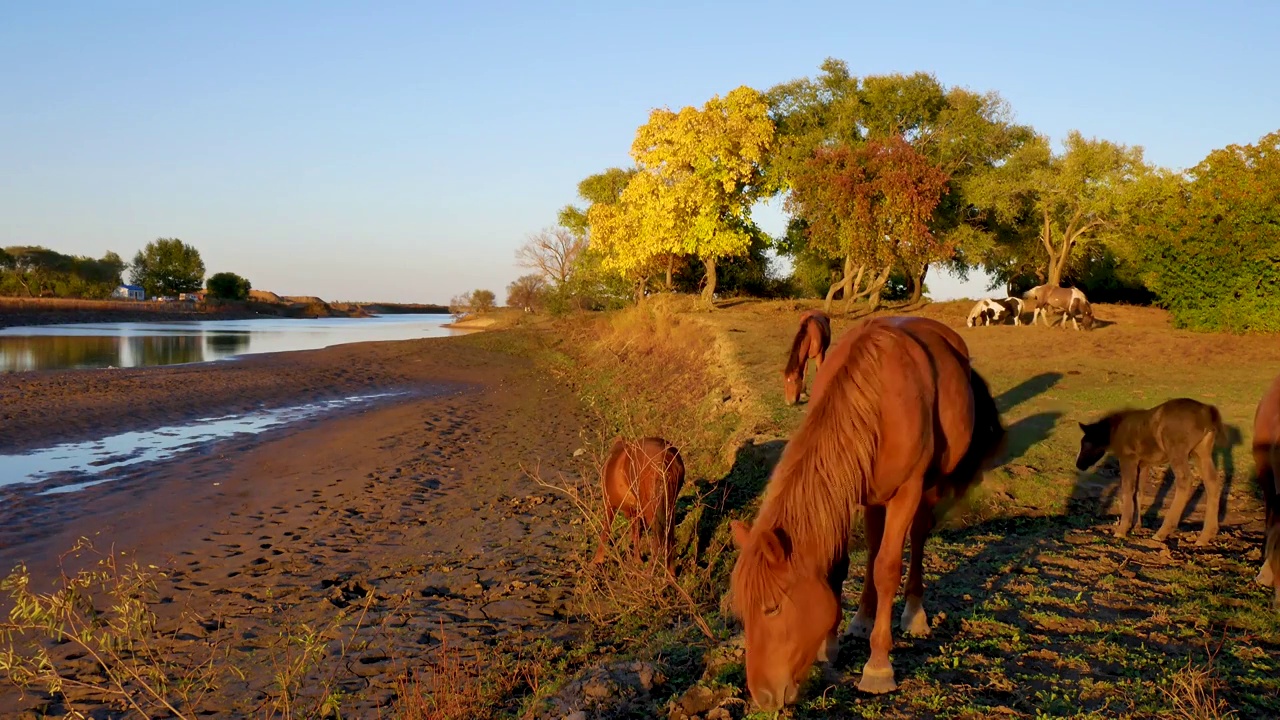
x,y
914,620
1182,493
1212,490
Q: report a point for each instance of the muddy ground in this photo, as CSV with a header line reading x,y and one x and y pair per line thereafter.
x,y
388,526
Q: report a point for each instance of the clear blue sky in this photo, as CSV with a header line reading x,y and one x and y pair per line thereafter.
x,y
401,151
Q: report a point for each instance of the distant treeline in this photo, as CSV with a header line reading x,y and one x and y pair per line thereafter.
x,y
403,308
40,272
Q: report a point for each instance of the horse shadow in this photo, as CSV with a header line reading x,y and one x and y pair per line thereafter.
x,y
1027,433
699,514
1027,389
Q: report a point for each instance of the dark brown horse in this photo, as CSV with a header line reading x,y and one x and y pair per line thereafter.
x,y
1071,302
1266,459
641,480
898,423
1171,432
811,341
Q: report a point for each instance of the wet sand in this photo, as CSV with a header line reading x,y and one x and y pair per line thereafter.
x,y
419,501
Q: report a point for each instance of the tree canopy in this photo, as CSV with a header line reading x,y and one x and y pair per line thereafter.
x,y
37,271
871,207
698,173
168,266
228,286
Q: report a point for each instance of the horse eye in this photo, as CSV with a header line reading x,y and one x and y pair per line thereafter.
x,y
771,611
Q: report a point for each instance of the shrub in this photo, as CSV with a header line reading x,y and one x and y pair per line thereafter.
x,y
228,286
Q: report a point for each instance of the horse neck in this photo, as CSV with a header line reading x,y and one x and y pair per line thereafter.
x,y
814,510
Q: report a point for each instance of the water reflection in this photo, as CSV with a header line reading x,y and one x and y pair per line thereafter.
x,y
85,461
101,345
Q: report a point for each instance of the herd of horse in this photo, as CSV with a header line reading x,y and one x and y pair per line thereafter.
x,y
898,424
1040,301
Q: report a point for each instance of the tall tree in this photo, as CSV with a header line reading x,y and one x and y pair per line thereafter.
x,y
870,207
168,266
526,292
699,172
553,252
962,132
1061,201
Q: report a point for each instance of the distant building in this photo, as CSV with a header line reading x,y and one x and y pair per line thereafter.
x,y
130,292
197,296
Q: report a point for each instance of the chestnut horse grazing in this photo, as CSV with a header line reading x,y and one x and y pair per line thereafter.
x,y
641,480
899,422
811,341
1266,458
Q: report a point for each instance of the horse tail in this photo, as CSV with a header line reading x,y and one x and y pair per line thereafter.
x,y
1221,440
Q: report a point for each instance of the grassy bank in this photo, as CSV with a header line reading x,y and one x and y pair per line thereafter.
x,y
1036,609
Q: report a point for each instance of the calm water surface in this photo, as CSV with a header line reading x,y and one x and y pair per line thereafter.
x,y
122,345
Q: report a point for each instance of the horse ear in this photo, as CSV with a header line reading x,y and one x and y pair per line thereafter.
x,y
775,545
1084,428
741,533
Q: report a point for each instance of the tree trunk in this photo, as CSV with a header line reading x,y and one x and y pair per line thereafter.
x,y
1054,278
842,284
873,302
671,262
917,285
851,291
709,290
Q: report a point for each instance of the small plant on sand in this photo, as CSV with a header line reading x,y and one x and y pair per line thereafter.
x,y
100,614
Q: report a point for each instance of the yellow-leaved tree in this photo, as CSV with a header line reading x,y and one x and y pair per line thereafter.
x,y
698,173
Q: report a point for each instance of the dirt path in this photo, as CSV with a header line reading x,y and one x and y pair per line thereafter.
x,y
414,518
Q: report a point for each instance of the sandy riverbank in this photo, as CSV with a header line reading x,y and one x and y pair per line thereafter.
x,y
419,503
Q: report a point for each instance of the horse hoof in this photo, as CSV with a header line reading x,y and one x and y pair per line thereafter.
x,y
1204,540
917,627
859,628
1265,577
1160,536
877,681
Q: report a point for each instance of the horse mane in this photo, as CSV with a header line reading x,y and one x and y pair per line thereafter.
x,y
825,471
793,359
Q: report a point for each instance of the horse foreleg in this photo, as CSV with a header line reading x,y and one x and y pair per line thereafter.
x,y
914,620
864,619
605,532
839,572
1128,496
877,674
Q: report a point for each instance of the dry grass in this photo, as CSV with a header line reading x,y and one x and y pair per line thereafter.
x,y
457,685
1193,693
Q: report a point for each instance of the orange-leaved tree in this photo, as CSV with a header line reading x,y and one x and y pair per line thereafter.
x,y
871,207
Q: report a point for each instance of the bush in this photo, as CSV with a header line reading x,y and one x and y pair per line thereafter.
x,y
1211,247
228,286
482,301
527,292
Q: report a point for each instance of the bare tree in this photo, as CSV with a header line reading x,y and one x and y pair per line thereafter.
x,y
552,252
526,292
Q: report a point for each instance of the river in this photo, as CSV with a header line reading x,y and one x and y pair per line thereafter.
x,y
139,344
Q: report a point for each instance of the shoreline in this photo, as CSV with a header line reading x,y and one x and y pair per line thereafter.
x,y
420,497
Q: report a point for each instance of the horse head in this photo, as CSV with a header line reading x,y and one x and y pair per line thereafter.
x,y
1094,443
787,611
791,384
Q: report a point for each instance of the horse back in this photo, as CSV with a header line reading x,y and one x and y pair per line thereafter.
x,y
932,361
